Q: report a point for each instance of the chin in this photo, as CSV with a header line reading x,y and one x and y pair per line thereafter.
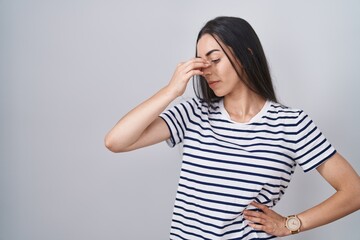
x,y
219,94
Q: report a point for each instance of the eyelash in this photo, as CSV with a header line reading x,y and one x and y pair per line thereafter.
x,y
215,60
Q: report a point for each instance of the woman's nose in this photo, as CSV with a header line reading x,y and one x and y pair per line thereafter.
x,y
207,70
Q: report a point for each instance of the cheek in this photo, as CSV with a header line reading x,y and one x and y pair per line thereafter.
x,y
229,72
224,65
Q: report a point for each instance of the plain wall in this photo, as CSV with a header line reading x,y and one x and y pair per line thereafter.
x,y
70,69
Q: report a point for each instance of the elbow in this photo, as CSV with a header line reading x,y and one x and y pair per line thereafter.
x,y
358,195
111,144
353,193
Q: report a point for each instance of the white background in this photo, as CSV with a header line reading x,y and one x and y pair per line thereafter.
x,y
70,69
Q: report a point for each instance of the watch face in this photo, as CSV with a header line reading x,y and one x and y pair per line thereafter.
x,y
293,224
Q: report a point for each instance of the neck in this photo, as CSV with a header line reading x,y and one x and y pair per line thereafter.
x,y
242,107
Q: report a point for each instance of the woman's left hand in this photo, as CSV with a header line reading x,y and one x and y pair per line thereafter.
x,y
267,220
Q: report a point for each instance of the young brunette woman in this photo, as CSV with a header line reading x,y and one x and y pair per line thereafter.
x,y
240,147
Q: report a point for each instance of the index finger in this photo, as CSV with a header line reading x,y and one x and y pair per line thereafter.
x,y
260,206
195,63
199,59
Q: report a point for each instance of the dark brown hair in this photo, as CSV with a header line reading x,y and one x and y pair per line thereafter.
x,y
239,37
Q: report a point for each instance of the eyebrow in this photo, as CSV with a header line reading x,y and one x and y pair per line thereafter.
x,y
210,52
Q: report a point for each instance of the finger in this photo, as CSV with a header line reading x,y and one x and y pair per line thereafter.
x,y
195,61
260,206
193,73
252,213
255,213
255,219
256,226
198,59
195,66
264,228
184,64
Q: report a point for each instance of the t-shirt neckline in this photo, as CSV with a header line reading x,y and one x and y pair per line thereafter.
x,y
256,118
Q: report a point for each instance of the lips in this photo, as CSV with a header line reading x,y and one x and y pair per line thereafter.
x,y
213,84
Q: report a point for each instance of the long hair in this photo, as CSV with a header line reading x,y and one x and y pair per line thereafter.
x,y
237,35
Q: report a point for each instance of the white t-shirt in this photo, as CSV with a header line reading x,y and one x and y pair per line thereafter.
x,y
226,165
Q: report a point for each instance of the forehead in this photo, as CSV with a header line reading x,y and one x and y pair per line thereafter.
x,y
205,44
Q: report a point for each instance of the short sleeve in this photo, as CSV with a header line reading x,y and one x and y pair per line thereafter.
x,y
176,120
311,146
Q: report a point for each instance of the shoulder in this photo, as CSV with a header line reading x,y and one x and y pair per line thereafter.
x,y
285,114
283,110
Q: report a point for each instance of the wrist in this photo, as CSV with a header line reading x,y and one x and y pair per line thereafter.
x,y
293,224
170,92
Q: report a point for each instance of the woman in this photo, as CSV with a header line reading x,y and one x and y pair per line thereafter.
x,y
240,147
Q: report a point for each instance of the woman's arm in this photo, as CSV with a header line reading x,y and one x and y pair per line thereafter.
x,y
339,174
141,126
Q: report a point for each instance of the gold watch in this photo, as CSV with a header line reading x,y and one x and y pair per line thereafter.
x,y
293,223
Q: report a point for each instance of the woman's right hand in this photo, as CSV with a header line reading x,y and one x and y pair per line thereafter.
x,y
142,126
184,71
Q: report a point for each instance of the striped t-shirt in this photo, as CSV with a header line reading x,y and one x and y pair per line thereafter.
x,y
226,165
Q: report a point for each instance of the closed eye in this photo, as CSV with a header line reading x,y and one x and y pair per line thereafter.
x,y
215,60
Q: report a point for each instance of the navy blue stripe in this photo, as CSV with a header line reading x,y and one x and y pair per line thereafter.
x,y
217,193
257,233
218,185
268,200
279,106
320,162
198,228
240,145
238,137
181,115
177,131
281,124
190,233
196,220
320,144
240,156
205,215
222,177
280,117
208,112
204,104
285,111
176,235
308,132
236,230
219,120
237,149
236,163
207,208
275,185
208,231
307,141
176,119
171,132
231,179
208,224
314,157
212,201
272,193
